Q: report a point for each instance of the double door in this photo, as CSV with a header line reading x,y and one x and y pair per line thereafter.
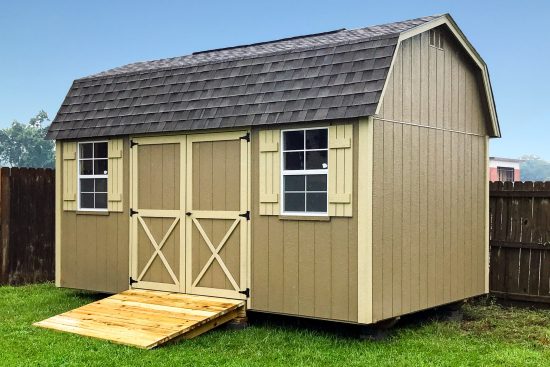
x,y
190,214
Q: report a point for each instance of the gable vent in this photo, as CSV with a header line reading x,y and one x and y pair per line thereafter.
x,y
436,38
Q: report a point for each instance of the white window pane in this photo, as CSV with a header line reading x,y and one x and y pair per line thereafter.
x,y
317,159
317,139
86,185
295,202
316,202
86,150
293,140
86,167
295,183
294,161
100,166
100,150
317,183
87,201
101,201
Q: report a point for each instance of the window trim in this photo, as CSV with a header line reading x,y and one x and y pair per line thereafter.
x,y
506,171
305,172
79,208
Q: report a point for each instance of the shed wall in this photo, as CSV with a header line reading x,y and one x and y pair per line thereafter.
x,y
94,247
429,182
303,267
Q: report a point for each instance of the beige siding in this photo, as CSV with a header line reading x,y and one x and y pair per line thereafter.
x,y
428,182
433,87
303,267
94,248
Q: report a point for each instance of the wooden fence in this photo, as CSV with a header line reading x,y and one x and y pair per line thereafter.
x,y
27,225
520,240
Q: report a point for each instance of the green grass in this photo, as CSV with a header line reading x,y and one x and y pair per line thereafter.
x,y
489,335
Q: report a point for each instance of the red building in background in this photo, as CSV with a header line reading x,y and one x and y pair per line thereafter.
x,y
504,169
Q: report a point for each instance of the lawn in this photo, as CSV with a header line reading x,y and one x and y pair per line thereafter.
x,y
488,335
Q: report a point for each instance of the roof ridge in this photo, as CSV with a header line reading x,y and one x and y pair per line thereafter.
x,y
268,42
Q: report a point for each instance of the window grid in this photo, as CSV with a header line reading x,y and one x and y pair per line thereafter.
x,y
303,172
93,177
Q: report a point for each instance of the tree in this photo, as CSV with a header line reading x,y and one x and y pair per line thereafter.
x,y
23,145
534,168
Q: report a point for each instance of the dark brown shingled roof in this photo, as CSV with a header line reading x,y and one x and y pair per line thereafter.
x,y
331,75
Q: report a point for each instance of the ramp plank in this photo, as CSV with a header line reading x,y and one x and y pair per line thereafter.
x,y
146,319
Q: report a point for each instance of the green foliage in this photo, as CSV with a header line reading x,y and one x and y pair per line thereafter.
x,y
534,169
23,145
489,335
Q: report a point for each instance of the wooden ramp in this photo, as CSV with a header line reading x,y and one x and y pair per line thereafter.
x,y
146,319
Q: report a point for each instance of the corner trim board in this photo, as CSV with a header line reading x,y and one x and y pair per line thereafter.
x,y
58,200
364,220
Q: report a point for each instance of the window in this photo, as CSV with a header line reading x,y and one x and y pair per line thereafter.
x,y
92,176
505,174
436,39
304,171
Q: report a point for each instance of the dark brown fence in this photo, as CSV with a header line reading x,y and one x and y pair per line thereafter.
x,y
27,225
520,240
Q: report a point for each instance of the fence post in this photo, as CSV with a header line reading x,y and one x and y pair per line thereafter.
x,y
4,223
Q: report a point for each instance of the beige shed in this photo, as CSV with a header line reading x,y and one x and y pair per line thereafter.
x,y
338,176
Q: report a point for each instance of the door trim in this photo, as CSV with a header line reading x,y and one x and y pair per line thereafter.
x,y
180,214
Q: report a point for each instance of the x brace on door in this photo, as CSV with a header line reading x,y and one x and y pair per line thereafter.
x,y
215,253
158,248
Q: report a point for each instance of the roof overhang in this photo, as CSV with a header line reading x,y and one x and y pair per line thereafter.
x,y
447,20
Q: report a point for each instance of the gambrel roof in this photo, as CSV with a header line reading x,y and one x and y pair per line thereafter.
x,y
325,76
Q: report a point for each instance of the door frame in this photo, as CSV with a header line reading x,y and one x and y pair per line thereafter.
x,y
244,225
179,213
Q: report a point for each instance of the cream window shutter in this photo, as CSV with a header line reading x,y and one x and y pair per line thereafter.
x,y
270,171
70,176
115,175
340,171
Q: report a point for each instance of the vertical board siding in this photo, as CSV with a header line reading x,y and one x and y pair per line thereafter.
x,y
27,224
443,86
302,267
94,248
519,236
428,184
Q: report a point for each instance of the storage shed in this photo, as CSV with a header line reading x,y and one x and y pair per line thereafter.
x,y
339,175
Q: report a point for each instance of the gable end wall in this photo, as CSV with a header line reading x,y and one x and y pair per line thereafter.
x,y
429,181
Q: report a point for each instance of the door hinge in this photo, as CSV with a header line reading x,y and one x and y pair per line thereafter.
x,y
132,212
246,137
132,143
132,281
245,215
246,292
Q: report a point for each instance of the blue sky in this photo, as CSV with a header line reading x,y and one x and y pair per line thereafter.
x,y
44,45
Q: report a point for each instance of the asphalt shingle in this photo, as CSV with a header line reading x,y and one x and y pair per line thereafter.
x,y
331,75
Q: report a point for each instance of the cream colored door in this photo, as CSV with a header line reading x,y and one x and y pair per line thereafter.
x,y
157,213
217,215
